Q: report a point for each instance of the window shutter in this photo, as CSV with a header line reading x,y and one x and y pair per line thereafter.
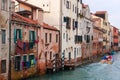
x,y
15,36
35,35
20,32
65,19
76,24
80,38
88,39
29,35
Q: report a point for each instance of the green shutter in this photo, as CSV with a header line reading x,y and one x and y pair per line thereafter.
x,y
24,58
15,36
20,32
29,35
35,35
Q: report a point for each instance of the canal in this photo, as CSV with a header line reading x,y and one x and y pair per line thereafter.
x,y
94,71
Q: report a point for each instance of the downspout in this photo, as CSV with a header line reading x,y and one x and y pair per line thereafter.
x,y
76,34
9,61
60,27
77,18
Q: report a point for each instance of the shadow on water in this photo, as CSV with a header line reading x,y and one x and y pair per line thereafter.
x,y
94,71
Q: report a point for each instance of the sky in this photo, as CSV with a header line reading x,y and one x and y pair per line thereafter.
x,y
111,6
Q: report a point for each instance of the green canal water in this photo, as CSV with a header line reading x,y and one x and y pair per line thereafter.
x,y
94,71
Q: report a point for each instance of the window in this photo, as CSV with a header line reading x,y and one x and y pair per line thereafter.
x,y
3,66
73,7
66,37
56,38
73,24
17,63
65,19
88,39
50,55
43,5
32,36
74,53
91,37
17,35
68,24
76,24
80,38
78,10
25,61
31,59
4,5
45,37
68,4
50,37
3,36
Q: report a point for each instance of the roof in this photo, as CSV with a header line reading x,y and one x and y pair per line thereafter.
x,y
18,17
96,19
28,4
46,26
101,12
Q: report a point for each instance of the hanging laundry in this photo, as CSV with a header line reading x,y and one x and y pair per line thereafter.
x,y
18,50
28,64
36,41
23,64
20,44
32,62
24,46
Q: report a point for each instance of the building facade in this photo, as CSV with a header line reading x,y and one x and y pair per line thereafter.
x,y
63,15
115,38
97,37
25,25
106,27
49,57
86,32
4,38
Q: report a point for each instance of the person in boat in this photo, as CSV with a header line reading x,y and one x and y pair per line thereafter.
x,y
105,57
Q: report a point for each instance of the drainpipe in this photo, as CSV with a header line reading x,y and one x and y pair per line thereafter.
x,y
9,60
61,29
37,32
76,34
